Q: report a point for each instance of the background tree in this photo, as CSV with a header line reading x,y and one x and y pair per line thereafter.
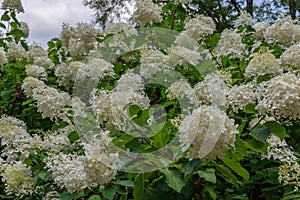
x,y
223,12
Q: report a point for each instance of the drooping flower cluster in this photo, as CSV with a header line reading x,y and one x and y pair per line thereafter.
x,y
77,172
290,174
279,150
207,133
50,102
291,58
280,97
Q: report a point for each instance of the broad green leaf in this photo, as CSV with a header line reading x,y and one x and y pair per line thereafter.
x,y
5,17
59,125
174,178
227,174
73,196
276,128
261,133
236,167
109,193
94,197
138,192
28,101
208,175
44,175
126,183
73,136
257,146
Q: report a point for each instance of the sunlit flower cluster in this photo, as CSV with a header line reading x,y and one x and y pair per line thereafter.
x,y
207,133
18,179
230,44
284,31
263,63
280,97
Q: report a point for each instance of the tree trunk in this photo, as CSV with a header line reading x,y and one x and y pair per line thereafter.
x,y
250,7
292,6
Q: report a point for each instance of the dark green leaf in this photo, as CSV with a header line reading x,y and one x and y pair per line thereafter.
x,y
236,167
139,187
261,133
208,175
94,197
73,136
174,178
5,17
276,128
257,146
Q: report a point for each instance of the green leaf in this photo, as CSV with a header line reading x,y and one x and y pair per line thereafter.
x,y
174,178
250,109
211,191
44,175
17,32
6,95
208,175
2,25
276,128
257,146
236,167
138,192
126,183
68,196
109,193
94,197
59,125
261,133
5,17
73,136
227,174
28,101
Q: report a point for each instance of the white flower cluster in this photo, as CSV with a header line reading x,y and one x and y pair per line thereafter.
x,y
284,31
207,133
152,62
112,105
279,150
260,28
111,28
243,19
280,97
16,52
290,173
15,5
230,44
182,91
25,29
78,40
239,96
212,90
77,172
262,64
199,26
3,59
291,57
18,179
50,102
147,12
179,55
36,72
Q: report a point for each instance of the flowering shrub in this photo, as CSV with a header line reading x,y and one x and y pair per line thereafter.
x,y
170,110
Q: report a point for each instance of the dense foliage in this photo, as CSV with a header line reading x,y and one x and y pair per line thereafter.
x,y
170,110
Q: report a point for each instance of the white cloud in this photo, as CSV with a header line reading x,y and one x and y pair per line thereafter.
x,y
45,17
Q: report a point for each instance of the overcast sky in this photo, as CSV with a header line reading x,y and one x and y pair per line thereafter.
x,y
45,17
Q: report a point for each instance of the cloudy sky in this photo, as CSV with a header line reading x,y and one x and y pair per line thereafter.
x,y
45,17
